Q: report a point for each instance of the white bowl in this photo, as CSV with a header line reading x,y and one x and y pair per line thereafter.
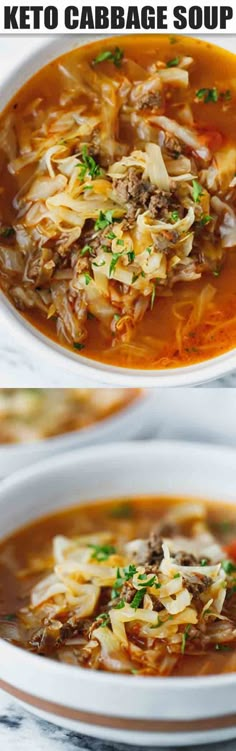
x,y
128,708
41,344
132,420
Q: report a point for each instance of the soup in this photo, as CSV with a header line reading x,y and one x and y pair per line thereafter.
x,y
142,587
33,414
117,201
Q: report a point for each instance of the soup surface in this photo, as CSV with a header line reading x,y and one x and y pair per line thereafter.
x,y
117,201
31,414
144,586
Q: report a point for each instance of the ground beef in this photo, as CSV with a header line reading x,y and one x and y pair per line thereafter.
x,y
150,101
173,146
155,551
185,559
197,584
140,194
127,592
158,200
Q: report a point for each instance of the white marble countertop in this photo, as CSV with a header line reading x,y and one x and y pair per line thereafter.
x,y
193,415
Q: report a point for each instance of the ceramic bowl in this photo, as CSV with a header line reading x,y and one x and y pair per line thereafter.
x,y
133,420
127,708
44,346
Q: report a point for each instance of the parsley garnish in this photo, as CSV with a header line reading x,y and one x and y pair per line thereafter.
x,y
131,256
111,235
185,636
197,191
78,345
88,278
172,63
7,232
138,597
128,572
86,249
222,648
105,218
228,566
206,218
120,605
105,619
208,95
203,562
114,261
115,57
174,216
102,552
88,165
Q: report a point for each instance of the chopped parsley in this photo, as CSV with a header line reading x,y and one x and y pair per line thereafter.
x,y
172,63
174,216
197,191
105,218
114,261
115,57
102,552
105,619
111,235
176,576
206,218
120,242
86,249
146,582
203,562
102,263
128,572
228,566
88,165
138,597
185,636
88,278
7,232
131,256
120,605
208,95
222,648
117,317
78,345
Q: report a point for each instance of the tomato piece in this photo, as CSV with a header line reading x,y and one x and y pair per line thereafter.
x,y
231,550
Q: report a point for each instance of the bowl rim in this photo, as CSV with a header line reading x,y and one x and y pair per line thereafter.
x,y
34,472
94,430
35,339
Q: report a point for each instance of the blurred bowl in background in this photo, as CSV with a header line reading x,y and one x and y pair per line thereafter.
x,y
132,420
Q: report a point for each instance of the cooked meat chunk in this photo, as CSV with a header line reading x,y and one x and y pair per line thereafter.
x,y
150,101
197,584
140,194
185,559
127,592
158,200
155,551
173,146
